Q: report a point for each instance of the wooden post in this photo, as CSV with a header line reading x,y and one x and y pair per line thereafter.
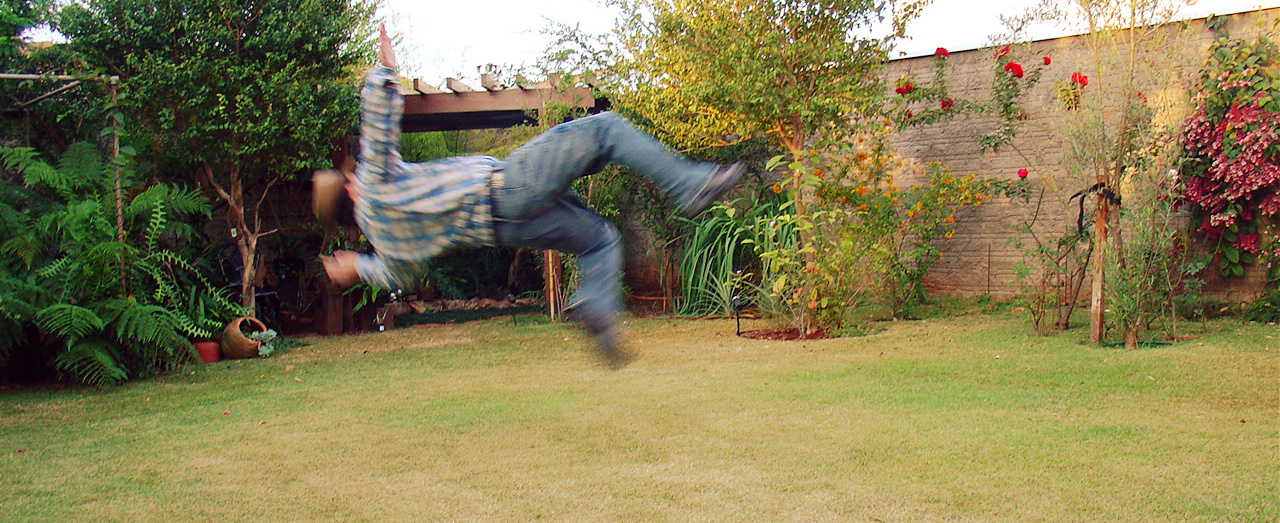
x,y
1098,302
553,276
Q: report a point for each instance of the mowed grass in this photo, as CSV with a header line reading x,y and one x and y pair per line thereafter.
x,y
958,419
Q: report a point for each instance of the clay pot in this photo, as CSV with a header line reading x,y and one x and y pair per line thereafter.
x,y
235,344
209,351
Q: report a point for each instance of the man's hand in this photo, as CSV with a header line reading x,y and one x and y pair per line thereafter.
x,y
341,268
386,51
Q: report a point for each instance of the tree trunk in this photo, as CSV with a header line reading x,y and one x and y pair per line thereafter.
x,y
1131,337
248,247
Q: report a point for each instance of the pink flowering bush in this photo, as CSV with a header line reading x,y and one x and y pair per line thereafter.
x,y
1232,144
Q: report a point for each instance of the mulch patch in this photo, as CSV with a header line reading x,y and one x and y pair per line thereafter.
x,y
782,334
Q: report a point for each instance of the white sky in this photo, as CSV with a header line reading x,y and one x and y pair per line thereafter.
x,y
444,39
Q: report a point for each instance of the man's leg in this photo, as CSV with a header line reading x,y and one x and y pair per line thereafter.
x,y
568,226
542,170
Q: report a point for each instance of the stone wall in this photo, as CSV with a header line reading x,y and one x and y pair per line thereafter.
x,y
979,257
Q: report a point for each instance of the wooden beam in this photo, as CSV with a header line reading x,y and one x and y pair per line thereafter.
x,y
489,83
457,86
425,88
504,100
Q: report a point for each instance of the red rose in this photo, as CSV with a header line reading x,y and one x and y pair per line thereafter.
x,y
1023,172
942,52
905,88
947,103
1003,52
1047,61
1078,78
1014,69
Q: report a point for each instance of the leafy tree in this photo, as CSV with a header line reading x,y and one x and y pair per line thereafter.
x,y
710,73
243,94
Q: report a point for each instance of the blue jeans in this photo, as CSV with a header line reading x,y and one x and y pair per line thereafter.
x,y
534,207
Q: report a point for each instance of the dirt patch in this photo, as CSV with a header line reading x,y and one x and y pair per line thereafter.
x,y
782,334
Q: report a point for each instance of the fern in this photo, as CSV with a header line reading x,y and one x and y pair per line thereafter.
x,y
156,226
10,334
70,322
82,169
94,362
22,247
121,308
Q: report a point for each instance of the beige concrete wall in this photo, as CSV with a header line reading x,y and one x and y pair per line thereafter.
x,y
979,257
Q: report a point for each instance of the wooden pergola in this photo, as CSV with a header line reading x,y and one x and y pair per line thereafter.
x,y
460,107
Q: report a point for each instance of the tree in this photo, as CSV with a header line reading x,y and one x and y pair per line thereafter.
x,y
242,94
710,73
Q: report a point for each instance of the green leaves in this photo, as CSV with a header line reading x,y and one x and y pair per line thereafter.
x,y
68,321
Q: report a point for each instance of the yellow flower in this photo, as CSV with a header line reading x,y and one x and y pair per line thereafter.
x,y
949,233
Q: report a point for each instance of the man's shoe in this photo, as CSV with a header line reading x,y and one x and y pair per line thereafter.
x,y
721,179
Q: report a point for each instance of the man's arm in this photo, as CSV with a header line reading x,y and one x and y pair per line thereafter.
x,y
386,52
346,268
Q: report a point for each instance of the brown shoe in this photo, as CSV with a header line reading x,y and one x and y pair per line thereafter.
x,y
721,179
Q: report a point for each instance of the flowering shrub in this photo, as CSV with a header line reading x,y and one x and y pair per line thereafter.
x,y
873,241
1232,144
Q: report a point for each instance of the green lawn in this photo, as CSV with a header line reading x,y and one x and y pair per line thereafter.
x,y
959,419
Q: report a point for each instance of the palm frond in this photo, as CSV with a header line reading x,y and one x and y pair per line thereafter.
x,y
94,362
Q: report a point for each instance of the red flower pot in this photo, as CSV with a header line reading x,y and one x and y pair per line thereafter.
x,y
209,351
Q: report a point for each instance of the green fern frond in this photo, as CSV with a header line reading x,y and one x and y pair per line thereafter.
x,y
156,226
133,322
22,247
16,308
82,168
18,297
181,201
71,322
11,333
17,158
94,362
58,266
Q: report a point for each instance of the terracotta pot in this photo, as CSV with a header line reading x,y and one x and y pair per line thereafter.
x,y
235,344
209,351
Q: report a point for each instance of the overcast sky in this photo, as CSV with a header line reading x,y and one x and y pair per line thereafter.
x,y
454,38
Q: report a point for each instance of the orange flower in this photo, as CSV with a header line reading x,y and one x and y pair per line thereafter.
x,y
777,189
949,233
951,219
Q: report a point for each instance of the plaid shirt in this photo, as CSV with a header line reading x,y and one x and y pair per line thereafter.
x,y
412,212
